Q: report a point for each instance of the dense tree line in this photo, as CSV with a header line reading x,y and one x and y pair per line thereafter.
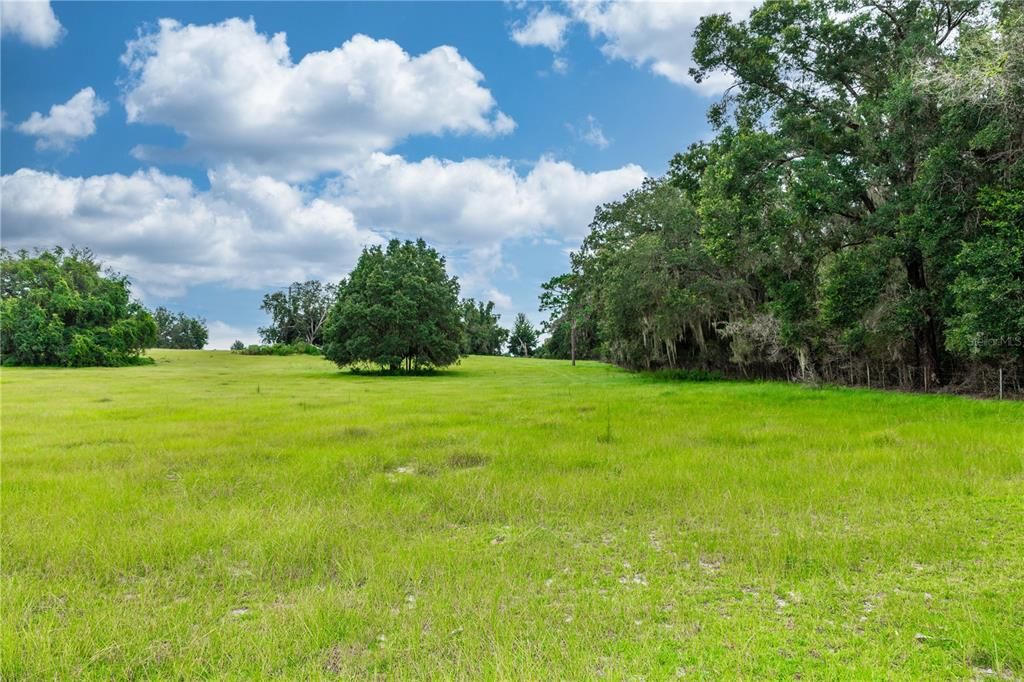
x,y
178,330
59,308
857,217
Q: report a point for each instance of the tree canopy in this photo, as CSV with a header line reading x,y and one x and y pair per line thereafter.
x,y
179,330
523,341
58,308
298,313
571,329
857,213
483,335
398,309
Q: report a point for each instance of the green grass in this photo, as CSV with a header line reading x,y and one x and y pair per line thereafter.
x,y
219,515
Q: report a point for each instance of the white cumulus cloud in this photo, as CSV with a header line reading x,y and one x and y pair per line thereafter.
x,y
66,123
167,235
542,28
33,21
238,97
255,231
474,202
655,34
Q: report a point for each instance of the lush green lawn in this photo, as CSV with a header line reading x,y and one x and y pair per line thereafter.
x,y
232,516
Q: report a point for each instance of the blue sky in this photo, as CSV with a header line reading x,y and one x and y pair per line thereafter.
x,y
216,151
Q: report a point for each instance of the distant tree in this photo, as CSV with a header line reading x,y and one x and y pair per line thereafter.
x,y
398,307
483,335
279,349
559,343
179,330
58,308
571,325
524,337
298,314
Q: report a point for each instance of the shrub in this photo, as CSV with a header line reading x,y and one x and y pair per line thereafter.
x,y
58,308
297,348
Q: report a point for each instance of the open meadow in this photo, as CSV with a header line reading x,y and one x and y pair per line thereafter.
x,y
239,517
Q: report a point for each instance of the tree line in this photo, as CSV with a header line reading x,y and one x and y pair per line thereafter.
x,y
398,309
858,217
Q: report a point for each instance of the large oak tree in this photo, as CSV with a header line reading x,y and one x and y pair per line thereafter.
x,y
398,309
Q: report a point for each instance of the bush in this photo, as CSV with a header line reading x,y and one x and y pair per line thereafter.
x,y
58,308
297,348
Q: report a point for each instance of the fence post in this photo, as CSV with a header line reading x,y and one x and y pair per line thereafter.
x,y
1000,383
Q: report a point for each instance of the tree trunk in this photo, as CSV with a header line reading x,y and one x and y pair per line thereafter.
x,y
572,342
926,334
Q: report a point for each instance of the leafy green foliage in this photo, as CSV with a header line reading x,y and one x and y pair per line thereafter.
x,y
988,293
644,289
855,218
279,349
572,326
298,313
58,308
179,330
483,335
523,340
685,375
398,308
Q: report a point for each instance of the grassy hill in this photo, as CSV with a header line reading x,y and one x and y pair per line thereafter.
x,y
218,514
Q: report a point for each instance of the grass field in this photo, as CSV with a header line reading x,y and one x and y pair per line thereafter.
x,y
218,515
